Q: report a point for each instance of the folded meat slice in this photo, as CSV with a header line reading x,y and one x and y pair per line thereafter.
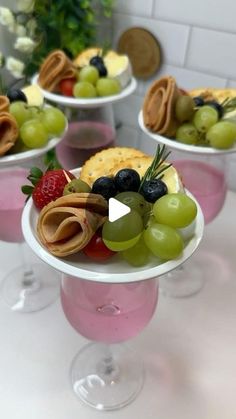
x,y
56,67
4,104
8,132
65,226
159,106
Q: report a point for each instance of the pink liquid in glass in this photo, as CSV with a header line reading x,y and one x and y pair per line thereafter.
x,y
11,203
206,183
82,140
108,313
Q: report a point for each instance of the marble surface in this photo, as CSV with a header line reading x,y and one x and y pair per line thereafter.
x,y
188,347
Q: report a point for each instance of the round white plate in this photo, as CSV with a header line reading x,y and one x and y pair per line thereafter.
x,y
181,146
115,270
15,159
87,103
18,158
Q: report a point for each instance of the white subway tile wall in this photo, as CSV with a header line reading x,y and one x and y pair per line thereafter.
x,y
198,41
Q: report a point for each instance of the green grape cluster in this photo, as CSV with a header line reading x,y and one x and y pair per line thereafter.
x,y
203,124
91,85
137,239
36,125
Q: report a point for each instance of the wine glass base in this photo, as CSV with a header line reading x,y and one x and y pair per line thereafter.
x,y
107,377
33,294
184,281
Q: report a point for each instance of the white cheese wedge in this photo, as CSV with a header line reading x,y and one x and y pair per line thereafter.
x,y
230,116
34,95
118,67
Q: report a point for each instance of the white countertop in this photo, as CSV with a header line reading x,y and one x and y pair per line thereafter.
x,y
189,347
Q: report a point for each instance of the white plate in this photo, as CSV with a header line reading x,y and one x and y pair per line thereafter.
x,y
181,146
87,103
18,158
115,270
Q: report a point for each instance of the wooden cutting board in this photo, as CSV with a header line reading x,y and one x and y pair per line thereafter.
x,y
143,50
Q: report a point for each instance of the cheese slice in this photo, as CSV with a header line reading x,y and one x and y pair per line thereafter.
x,y
118,67
34,95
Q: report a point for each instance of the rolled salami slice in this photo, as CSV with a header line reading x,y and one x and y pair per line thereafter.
x,y
65,226
56,67
8,132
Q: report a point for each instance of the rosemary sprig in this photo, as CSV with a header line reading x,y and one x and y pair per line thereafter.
x,y
229,104
155,170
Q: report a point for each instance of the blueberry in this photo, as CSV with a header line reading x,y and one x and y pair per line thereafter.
x,y
96,60
127,180
199,101
153,190
104,186
16,95
101,69
217,106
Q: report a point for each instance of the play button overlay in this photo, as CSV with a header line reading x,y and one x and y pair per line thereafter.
x,y
116,209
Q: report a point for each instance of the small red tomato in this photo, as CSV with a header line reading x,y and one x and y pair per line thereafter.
x,y
66,86
97,250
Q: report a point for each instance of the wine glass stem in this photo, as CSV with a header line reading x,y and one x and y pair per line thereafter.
x,y
108,368
30,283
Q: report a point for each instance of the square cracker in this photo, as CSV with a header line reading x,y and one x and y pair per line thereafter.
x,y
103,162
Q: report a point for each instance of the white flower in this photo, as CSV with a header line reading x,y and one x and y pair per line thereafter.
x,y
26,6
24,44
16,67
20,30
7,18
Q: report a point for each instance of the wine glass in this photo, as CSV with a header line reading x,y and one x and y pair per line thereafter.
x,y
205,177
91,124
107,374
108,303
89,131
29,287
203,171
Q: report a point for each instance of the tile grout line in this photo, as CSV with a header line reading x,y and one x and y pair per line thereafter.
x,y
187,46
176,22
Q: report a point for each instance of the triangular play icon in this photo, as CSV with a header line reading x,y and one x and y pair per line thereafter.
x,y
116,209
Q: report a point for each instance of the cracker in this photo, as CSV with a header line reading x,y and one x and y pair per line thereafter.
x,y
213,93
102,163
140,164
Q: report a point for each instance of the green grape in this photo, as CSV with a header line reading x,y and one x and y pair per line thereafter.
x,y
83,89
138,255
124,232
184,108
176,210
76,186
107,86
222,134
89,73
35,112
20,111
119,246
135,201
187,134
163,241
33,134
205,117
53,120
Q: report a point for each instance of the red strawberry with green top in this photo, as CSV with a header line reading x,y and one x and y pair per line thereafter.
x,y
47,186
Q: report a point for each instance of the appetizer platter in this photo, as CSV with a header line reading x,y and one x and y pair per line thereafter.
x,y
72,232
28,127
94,78
199,120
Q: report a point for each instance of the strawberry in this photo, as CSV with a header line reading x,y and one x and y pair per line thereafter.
x,y
46,187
